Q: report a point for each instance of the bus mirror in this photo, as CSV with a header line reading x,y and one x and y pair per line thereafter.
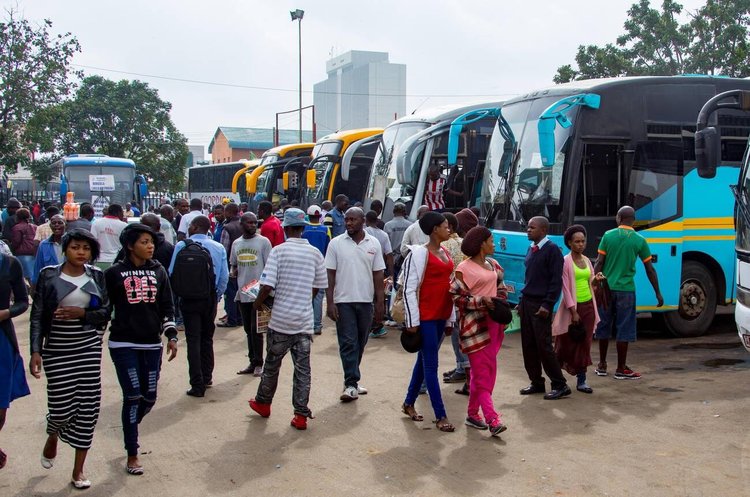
x,y
311,179
706,151
547,141
285,181
251,183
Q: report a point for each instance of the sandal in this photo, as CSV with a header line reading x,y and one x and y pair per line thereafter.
x,y
464,390
134,470
444,425
411,412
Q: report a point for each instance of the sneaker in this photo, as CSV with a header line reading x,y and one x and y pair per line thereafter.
x,y
318,331
627,374
378,333
263,409
258,371
601,369
361,390
391,323
299,421
448,373
497,427
349,394
455,377
475,423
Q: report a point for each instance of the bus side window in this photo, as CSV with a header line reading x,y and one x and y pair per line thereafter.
x,y
600,182
656,182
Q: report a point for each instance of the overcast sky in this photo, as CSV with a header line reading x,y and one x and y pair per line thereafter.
x,y
453,50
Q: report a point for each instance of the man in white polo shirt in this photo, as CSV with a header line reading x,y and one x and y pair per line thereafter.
x,y
355,279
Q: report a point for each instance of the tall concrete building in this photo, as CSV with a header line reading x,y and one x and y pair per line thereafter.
x,y
363,90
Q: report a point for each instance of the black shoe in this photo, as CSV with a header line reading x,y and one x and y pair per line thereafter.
x,y
455,377
559,393
532,389
194,392
448,373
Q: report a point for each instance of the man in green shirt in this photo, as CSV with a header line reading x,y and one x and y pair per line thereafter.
x,y
618,252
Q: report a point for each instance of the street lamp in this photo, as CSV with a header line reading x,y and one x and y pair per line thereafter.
x,y
298,15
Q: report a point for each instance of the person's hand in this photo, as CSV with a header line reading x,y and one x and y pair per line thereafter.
x,y
332,312
35,365
489,303
600,276
412,329
574,317
659,300
171,349
69,312
448,331
542,313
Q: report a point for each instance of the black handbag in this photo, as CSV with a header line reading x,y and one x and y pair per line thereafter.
x,y
501,313
577,332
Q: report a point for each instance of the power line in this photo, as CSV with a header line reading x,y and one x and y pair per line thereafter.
x,y
289,90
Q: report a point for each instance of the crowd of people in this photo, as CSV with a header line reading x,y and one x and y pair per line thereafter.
x,y
160,279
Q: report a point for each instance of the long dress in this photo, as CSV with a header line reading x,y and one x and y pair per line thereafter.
x,y
13,383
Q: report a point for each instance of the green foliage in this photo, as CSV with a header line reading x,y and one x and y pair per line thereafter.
x,y
34,74
713,40
41,170
119,119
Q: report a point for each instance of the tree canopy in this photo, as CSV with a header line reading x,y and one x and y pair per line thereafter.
x,y
34,74
712,40
119,119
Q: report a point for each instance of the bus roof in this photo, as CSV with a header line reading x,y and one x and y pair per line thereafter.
x,y
96,160
434,115
283,150
351,135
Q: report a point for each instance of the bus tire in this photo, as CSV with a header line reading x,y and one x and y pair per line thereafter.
x,y
697,305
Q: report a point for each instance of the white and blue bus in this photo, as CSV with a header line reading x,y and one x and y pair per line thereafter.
x,y
577,152
100,180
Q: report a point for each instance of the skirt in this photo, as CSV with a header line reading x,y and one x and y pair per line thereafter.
x,y
12,373
575,357
72,360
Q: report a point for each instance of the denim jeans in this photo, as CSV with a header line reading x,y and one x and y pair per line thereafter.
x,y
353,329
426,368
618,319
277,346
318,310
27,264
230,306
462,360
254,339
138,374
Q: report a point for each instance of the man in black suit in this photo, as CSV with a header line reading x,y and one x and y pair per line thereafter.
x,y
543,284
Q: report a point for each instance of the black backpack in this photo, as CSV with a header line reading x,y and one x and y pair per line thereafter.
x,y
193,273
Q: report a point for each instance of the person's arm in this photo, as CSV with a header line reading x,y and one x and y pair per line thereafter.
x,y
389,264
18,287
554,286
166,311
263,294
177,248
645,255
377,279
331,310
99,316
222,277
410,279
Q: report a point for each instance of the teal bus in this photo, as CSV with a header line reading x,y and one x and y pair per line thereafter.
x,y
575,153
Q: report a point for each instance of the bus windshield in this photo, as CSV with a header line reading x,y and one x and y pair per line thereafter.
x,y
516,186
78,182
269,159
742,216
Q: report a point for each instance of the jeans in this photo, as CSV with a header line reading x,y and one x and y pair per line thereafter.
x,y
620,315
138,374
278,344
230,306
27,264
462,361
483,375
353,329
254,339
318,310
198,317
426,368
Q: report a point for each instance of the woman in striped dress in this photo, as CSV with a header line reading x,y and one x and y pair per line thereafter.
x,y
68,316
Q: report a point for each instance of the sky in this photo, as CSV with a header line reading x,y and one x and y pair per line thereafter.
x,y
235,63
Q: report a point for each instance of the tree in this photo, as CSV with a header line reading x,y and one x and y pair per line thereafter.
x,y
713,40
34,73
119,119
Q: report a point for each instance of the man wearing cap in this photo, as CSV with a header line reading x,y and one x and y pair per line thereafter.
x,y
319,236
355,279
294,271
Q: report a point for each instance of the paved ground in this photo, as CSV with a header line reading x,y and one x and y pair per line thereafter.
x,y
680,431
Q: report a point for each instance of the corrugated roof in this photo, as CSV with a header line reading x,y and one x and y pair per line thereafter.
x,y
257,138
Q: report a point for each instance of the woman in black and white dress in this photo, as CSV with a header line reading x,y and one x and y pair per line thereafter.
x,y
68,316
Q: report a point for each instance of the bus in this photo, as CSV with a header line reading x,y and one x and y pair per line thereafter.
x,y
341,164
100,180
412,143
707,143
577,152
212,183
266,181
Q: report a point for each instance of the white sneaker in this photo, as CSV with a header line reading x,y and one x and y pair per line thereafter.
x,y
349,394
361,390
391,323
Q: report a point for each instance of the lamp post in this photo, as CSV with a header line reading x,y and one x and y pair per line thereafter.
x,y
298,15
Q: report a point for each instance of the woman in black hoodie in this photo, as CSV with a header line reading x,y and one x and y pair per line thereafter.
x,y
142,299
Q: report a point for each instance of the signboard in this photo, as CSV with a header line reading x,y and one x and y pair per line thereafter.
x,y
101,182
100,204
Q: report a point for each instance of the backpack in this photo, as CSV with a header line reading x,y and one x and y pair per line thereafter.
x,y
193,273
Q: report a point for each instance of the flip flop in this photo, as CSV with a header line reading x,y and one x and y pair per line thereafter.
x,y
411,412
134,470
47,463
464,390
81,484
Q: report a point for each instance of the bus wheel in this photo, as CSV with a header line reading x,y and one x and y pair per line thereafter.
x,y
697,302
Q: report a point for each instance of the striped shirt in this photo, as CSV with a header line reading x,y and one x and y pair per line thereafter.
x,y
293,269
433,193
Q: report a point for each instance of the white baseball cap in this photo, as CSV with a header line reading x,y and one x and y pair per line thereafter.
x,y
314,210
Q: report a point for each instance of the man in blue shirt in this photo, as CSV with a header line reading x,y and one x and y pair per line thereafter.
x,y
318,236
337,215
198,316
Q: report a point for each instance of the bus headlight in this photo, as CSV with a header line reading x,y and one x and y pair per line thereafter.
x,y
743,296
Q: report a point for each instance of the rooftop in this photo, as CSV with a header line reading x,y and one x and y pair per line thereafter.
x,y
258,138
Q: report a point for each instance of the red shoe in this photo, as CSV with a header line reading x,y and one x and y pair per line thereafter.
x,y
299,421
263,409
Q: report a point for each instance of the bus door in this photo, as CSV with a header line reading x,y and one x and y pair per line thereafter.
x,y
294,177
356,165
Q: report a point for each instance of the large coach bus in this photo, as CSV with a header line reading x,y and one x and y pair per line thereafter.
x,y
341,163
266,181
213,183
100,180
412,143
707,150
577,152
